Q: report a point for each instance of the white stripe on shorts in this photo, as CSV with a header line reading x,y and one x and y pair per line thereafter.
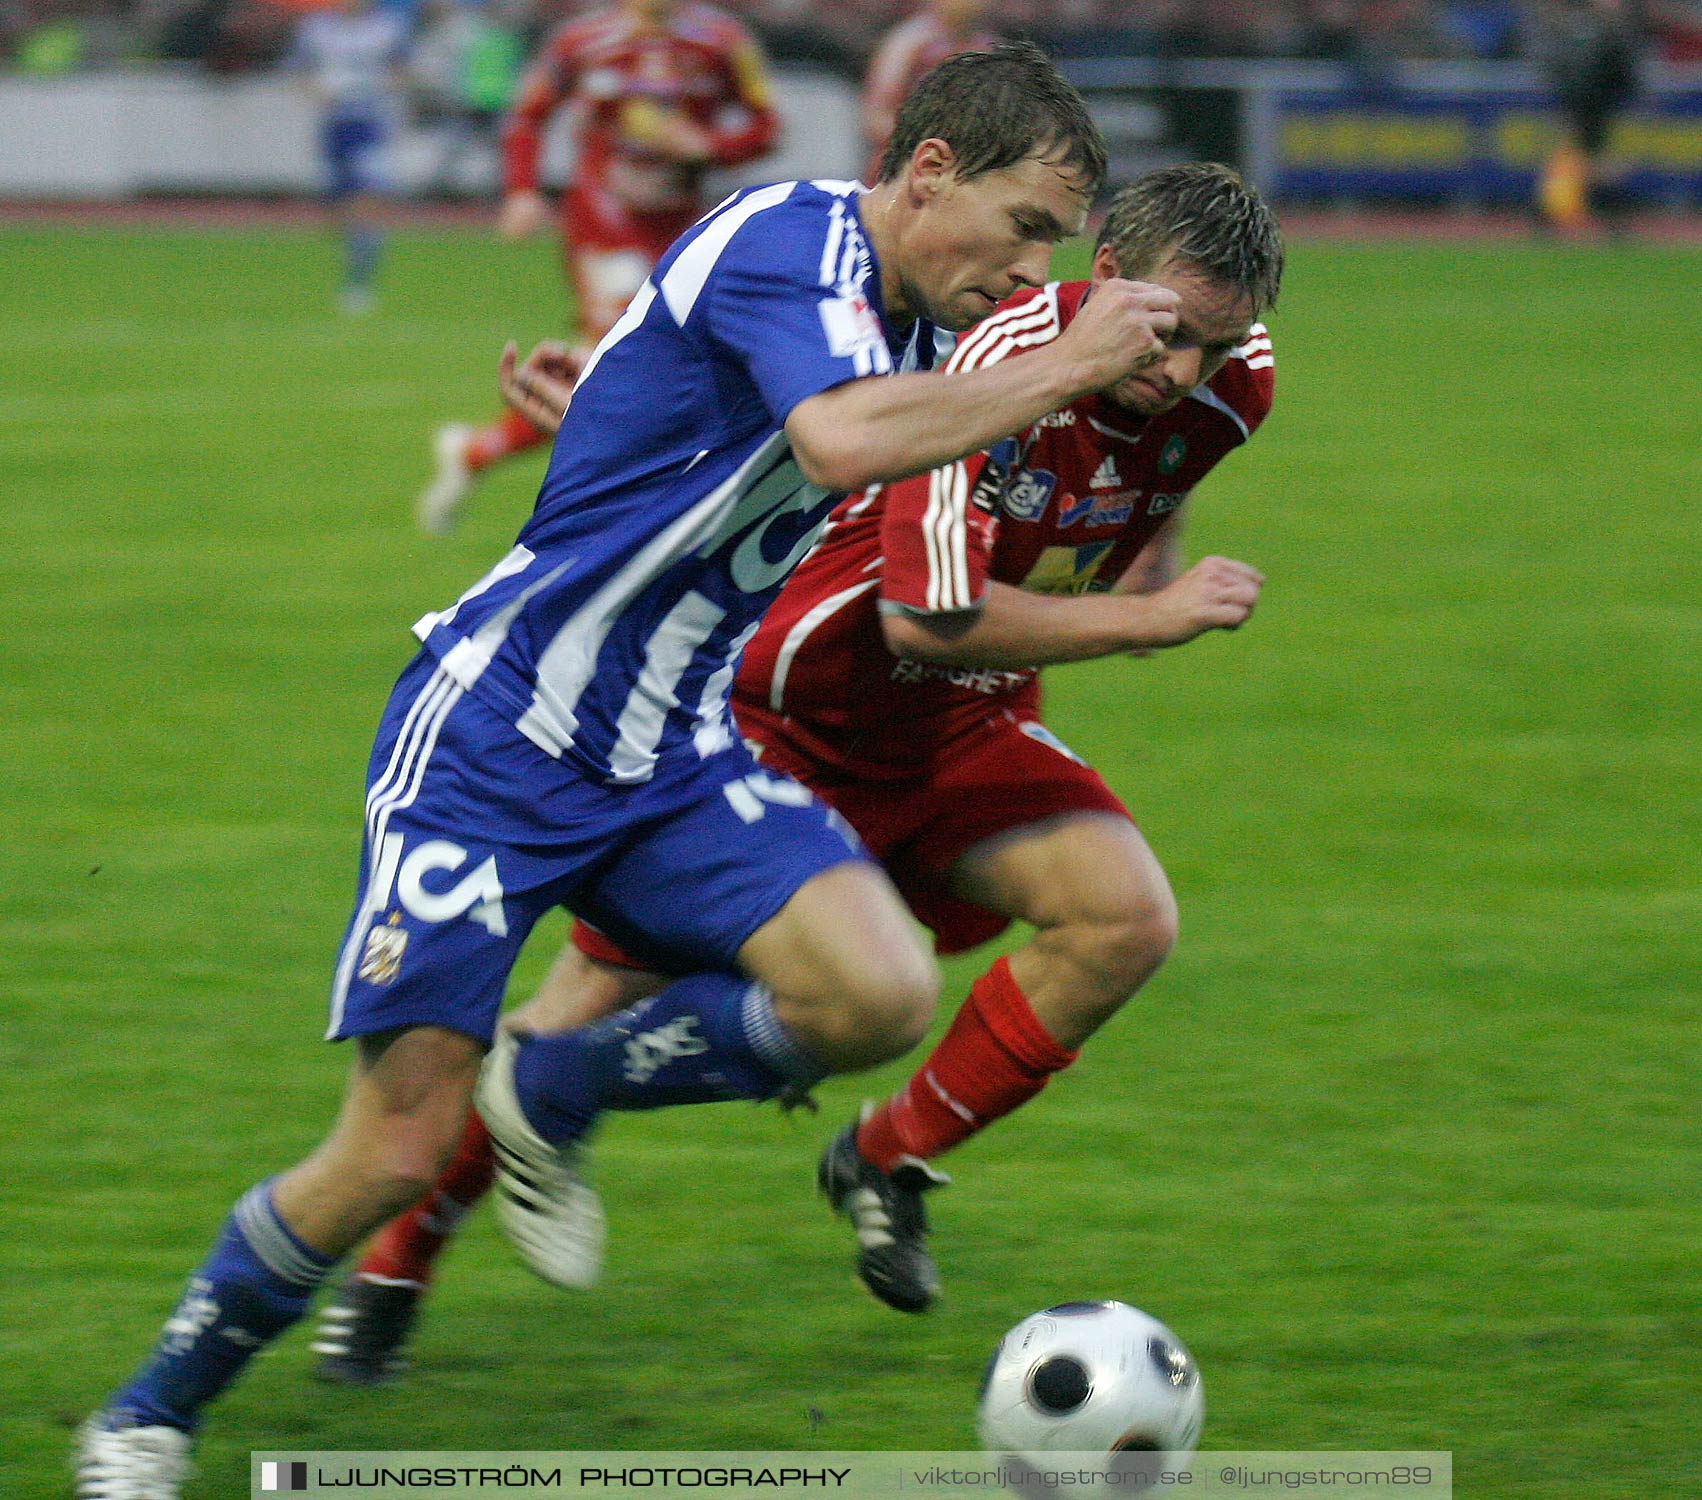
x,y
395,789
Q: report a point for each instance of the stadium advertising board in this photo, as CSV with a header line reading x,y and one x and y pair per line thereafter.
x,y
1473,146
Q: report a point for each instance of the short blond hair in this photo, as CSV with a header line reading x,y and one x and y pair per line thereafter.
x,y
1203,214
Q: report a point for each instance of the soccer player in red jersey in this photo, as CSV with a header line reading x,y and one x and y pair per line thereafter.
x,y
897,677
663,92
940,29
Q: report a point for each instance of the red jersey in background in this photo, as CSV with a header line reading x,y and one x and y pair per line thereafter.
x,y
620,73
904,54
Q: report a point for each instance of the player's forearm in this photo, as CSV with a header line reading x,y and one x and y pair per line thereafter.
x,y
1157,564
877,430
521,147
1014,629
522,141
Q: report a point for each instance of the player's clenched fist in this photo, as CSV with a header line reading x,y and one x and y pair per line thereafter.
x,y
1217,593
1122,327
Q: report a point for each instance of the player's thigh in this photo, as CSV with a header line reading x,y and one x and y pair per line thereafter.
x,y
845,938
1101,907
1031,832
608,252
603,282
751,871
1084,867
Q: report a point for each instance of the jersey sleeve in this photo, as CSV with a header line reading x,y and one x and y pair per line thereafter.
x,y
777,304
1247,382
1240,395
937,534
939,529
543,90
747,125
891,72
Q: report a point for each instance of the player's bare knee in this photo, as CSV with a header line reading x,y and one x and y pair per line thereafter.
x,y
406,1109
881,1012
369,1169
898,1017
1127,941
907,995
1147,933
400,1160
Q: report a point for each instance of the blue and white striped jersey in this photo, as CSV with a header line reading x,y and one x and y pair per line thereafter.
x,y
351,58
673,509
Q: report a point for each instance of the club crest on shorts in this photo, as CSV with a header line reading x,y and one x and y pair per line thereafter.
x,y
381,960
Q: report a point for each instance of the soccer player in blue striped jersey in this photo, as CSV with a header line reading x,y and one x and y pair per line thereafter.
x,y
563,737
350,56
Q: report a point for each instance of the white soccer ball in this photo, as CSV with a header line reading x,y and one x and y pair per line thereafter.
x,y
1092,1377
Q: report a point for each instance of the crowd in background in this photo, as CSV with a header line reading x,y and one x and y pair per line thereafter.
x,y
46,37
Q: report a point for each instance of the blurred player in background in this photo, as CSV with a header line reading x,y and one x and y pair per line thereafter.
x,y
352,58
896,677
464,70
662,92
1590,50
563,737
940,29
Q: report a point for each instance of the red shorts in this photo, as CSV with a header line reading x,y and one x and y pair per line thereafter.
x,y
609,249
1005,773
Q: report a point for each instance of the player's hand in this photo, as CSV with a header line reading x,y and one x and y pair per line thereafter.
x,y
667,132
540,386
1217,593
1121,328
522,214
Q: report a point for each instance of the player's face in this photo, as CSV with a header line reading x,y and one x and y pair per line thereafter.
x,y
972,242
1213,319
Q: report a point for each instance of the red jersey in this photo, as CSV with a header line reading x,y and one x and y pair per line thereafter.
x,y
619,72
1061,508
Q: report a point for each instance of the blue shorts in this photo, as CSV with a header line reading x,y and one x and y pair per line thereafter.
x,y
353,148
473,833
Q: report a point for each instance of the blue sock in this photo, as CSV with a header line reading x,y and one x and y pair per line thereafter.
x,y
706,1037
361,250
255,1284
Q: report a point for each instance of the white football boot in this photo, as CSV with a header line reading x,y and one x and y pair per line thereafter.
x,y
438,501
116,1462
550,1216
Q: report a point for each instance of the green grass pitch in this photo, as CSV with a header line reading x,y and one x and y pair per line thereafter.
x,y
1404,1139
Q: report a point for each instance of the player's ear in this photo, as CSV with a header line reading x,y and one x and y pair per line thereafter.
x,y
932,165
1105,266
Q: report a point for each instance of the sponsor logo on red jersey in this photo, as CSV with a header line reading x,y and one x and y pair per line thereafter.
x,y
1028,492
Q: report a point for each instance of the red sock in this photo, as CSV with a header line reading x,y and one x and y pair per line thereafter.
x,y
404,1249
994,1056
510,433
